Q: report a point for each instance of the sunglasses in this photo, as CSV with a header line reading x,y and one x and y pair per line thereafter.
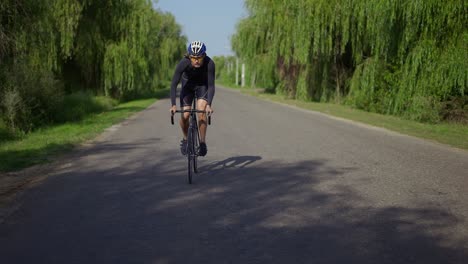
x,y
196,57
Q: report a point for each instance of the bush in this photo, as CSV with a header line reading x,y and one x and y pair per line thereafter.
x,y
455,109
77,105
30,97
7,134
424,109
15,112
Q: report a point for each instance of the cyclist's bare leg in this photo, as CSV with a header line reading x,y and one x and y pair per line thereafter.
x,y
202,123
184,121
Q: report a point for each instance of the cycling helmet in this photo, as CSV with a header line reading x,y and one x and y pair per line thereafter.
x,y
196,48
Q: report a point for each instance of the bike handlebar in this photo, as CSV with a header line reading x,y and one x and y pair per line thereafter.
x,y
190,111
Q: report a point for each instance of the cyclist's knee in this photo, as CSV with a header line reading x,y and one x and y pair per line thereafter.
x,y
202,116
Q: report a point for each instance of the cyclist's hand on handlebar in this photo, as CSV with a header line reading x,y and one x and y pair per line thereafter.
x,y
209,110
173,109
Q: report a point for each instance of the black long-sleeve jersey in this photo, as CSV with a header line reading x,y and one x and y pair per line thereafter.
x,y
191,76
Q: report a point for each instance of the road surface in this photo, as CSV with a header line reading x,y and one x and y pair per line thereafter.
x,y
279,185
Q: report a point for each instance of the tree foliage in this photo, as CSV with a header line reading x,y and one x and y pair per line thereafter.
x,y
117,48
402,57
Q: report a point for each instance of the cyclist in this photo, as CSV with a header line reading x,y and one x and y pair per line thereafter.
x,y
196,70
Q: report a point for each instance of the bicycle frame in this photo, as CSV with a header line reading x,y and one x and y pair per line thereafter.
x,y
193,137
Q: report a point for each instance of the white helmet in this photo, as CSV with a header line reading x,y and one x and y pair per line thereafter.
x,y
196,48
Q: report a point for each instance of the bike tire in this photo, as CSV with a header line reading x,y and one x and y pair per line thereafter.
x,y
190,152
195,149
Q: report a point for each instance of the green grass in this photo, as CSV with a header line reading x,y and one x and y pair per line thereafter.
x,y
46,143
455,135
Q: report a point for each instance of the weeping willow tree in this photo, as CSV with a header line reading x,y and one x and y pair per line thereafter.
x,y
29,57
252,43
417,58
284,39
125,66
130,50
110,46
50,48
166,47
403,57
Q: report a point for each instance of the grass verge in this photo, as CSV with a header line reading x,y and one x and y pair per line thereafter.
x,y
46,143
452,134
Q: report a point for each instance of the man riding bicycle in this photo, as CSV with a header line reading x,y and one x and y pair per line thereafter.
x,y
197,72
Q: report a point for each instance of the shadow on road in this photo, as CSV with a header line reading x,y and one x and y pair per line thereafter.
x,y
241,209
233,162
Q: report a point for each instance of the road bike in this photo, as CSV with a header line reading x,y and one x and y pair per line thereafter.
x,y
193,138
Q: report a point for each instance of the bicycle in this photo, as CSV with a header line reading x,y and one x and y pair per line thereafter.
x,y
193,138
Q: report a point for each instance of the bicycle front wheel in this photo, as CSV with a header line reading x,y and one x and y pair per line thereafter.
x,y
190,154
195,150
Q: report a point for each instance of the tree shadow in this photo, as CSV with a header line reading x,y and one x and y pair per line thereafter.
x,y
13,160
241,209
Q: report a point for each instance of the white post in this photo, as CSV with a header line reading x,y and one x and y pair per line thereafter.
x,y
237,71
243,75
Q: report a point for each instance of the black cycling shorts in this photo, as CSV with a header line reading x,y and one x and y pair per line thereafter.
x,y
188,93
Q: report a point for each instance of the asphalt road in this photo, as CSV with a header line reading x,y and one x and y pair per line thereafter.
x,y
279,185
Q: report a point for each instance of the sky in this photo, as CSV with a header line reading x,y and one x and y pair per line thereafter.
x,y
210,21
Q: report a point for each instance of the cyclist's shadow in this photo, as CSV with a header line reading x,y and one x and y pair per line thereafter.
x,y
238,162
